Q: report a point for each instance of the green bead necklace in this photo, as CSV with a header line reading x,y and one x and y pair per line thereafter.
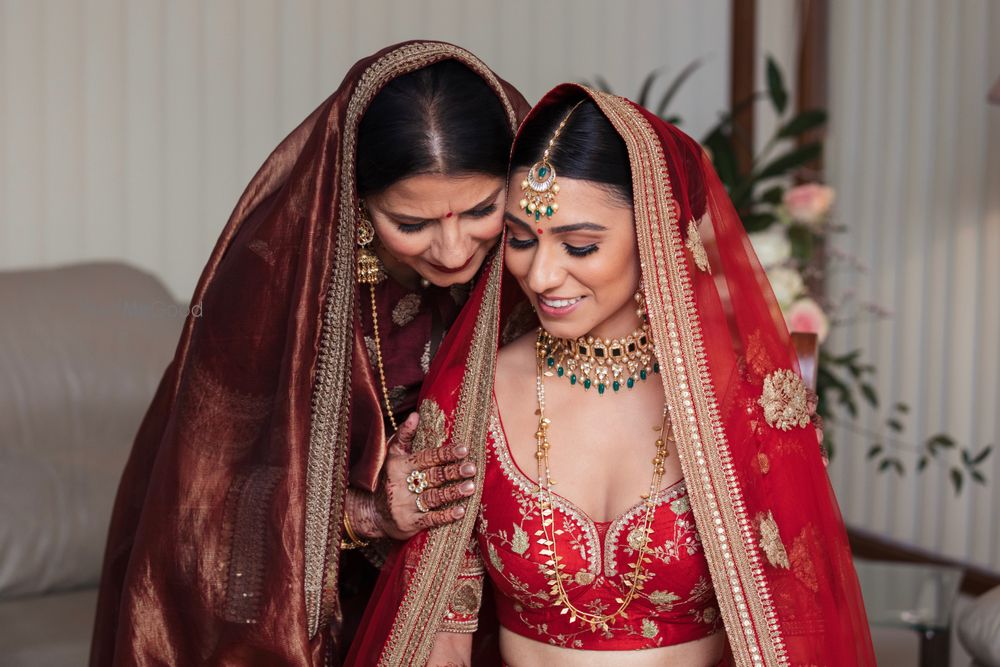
x,y
600,363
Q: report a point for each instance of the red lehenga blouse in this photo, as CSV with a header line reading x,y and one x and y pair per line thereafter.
x,y
677,604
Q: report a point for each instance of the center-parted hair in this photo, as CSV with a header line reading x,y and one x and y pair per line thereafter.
x,y
588,148
440,119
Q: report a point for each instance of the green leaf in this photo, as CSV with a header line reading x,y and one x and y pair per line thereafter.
x,y
884,465
978,476
922,463
803,243
675,85
791,160
773,195
647,84
956,480
776,86
756,222
805,121
895,425
981,456
874,451
869,393
902,407
723,157
942,440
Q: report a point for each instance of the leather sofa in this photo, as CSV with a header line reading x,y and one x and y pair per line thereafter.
x,y
82,349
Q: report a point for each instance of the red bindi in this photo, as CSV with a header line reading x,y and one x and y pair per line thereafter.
x,y
448,214
539,230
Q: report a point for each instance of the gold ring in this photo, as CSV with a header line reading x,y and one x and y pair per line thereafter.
x,y
416,481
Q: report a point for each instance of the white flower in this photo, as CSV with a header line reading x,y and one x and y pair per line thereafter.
x,y
805,315
810,203
787,285
771,246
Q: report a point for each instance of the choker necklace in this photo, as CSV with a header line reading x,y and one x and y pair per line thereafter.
x,y
636,578
605,363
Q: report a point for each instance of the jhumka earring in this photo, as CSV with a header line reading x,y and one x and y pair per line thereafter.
x,y
369,268
370,272
539,189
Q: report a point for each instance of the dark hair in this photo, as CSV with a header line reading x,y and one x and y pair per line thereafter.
x,y
440,119
588,148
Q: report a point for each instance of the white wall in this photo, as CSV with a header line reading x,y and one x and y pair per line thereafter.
x,y
128,129
914,153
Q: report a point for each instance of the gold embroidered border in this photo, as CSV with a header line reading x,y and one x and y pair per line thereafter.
x,y
716,497
328,437
426,601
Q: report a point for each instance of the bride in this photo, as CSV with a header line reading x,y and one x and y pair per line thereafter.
x,y
651,491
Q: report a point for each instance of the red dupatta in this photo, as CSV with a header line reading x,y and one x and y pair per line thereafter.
x,y
771,529
224,541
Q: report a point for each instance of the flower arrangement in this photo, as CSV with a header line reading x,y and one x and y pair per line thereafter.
x,y
788,215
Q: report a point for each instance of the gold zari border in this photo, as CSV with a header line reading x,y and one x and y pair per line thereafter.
x,y
328,438
716,497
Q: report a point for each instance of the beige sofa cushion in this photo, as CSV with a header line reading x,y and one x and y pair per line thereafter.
x,y
979,629
82,349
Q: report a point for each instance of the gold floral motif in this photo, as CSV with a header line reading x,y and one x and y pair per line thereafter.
x,y
425,358
764,463
519,542
396,395
584,578
404,311
432,429
770,540
802,564
697,248
467,597
661,598
784,400
758,361
649,629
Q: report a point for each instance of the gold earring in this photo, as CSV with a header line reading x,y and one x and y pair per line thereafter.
x,y
369,268
371,273
640,300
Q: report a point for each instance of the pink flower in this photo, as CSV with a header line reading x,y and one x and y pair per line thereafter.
x,y
805,315
810,203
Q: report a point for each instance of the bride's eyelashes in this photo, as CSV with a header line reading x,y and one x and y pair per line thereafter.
x,y
572,250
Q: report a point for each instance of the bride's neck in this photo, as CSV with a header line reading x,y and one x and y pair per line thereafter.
x,y
623,323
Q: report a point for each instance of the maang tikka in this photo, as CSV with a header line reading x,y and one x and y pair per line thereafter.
x,y
539,189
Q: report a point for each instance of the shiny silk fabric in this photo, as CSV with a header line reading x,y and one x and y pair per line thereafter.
x,y
223,547
771,530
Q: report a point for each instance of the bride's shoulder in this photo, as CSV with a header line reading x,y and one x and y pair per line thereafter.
x,y
516,360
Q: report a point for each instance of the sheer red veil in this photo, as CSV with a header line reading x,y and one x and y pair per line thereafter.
x,y
771,528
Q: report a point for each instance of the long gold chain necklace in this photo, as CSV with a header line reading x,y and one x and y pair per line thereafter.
x,y
603,363
554,566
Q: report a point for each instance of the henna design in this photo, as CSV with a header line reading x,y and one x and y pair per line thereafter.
x,y
365,518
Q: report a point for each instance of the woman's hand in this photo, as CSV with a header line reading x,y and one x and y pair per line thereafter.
x,y
446,473
451,649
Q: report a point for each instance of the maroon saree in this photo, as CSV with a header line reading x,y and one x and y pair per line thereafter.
x,y
224,542
771,530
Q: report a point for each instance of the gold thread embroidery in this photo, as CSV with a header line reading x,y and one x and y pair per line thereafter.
x,y
784,400
425,601
753,627
697,248
404,311
763,463
770,540
802,564
329,434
